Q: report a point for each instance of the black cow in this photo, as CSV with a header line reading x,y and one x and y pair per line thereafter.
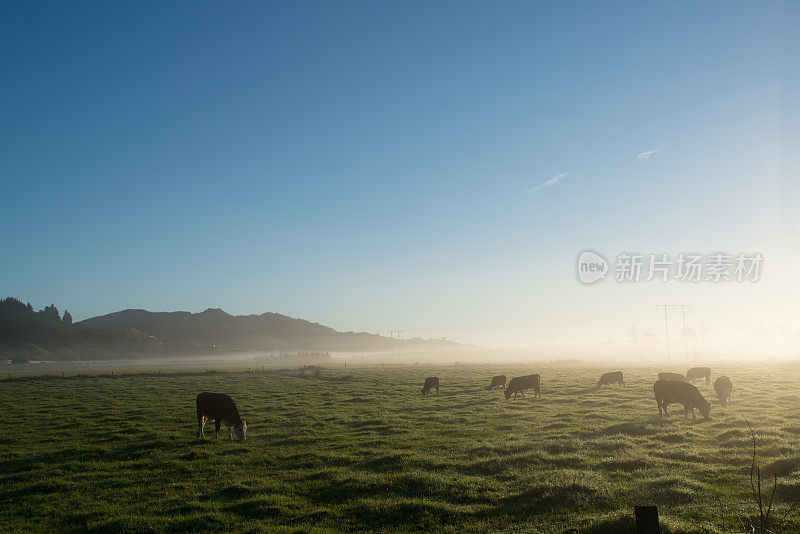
x,y
519,384
723,386
221,409
606,379
430,383
498,381
699,372
669,392
677,377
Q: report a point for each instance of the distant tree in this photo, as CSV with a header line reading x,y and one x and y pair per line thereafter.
x,y
67,319
50,314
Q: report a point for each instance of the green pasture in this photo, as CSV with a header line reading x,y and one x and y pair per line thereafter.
x,y
370,453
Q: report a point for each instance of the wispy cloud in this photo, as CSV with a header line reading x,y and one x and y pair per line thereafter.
x,y
544,185
648,153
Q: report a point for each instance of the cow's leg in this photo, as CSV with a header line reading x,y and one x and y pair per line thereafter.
x,y
660,414
217,424
200,423
522,393
230,433
666,404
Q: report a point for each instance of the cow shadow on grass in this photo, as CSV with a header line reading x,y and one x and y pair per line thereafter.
x,y
677,415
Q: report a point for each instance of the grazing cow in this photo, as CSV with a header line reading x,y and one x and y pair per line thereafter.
x,y
430,383
520,383
498,381
676,377
723,386
669,392
699,372
606,379
221,409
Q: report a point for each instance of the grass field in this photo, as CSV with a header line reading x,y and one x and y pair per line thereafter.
x,y
120,454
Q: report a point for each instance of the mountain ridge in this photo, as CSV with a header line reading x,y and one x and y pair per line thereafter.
x,y
136,332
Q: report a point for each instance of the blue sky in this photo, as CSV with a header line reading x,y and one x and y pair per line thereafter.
x,y
369,165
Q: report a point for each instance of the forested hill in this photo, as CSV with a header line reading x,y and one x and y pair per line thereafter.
x,y
46,334
211,326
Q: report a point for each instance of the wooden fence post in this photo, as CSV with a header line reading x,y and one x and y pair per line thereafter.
x,y
646,519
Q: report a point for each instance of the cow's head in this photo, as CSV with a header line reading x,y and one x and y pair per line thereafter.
x,y
241,430
507,393
705,409
599,384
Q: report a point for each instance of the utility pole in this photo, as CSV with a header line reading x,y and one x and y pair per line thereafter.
x,y
392,334
674,307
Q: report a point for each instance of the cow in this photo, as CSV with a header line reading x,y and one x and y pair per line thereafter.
x,y
430,383
498,381
699,372
723,386
677,377
669,392
221,409
520,383
606,379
